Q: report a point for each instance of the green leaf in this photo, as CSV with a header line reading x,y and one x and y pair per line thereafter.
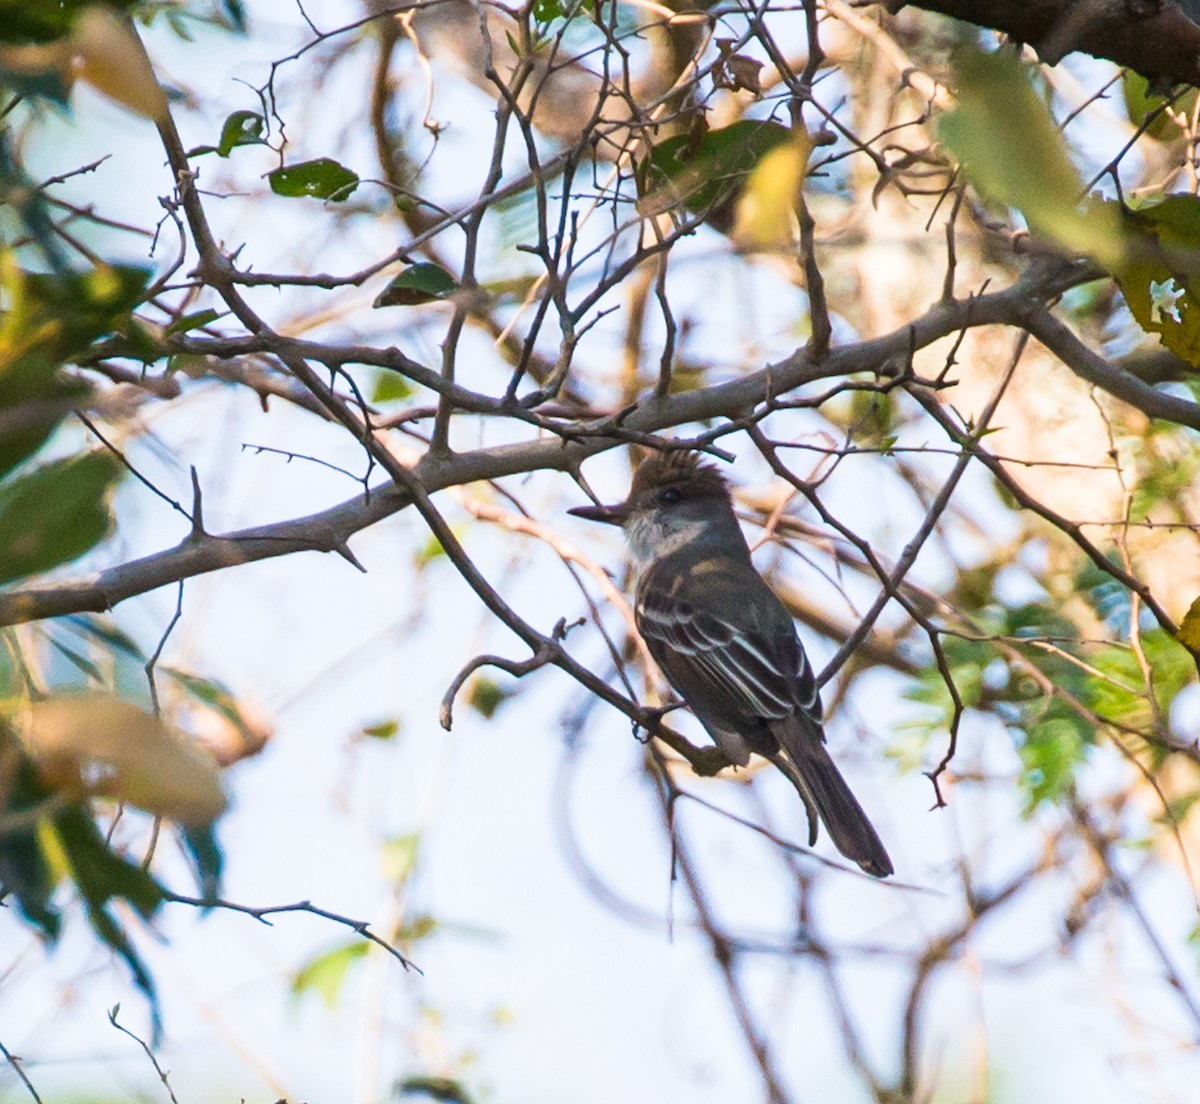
x,y
486,696
1120,695
431,550
1140,102
768,206
545,11
1108,597
235,12
966,661
419,283
55,514
702,171
1051,752
423,926
47,321
323,178
416,929
1167,473
80,306
192,365
1189,629
78,845
177,23
436,1088
1161,277
390,387
242,128
385,730
24,869
326,973
192,321
400,857
25,201
208,861
109,932
141,343
100,873
77,660
44,20
48,83
1014,154
94,626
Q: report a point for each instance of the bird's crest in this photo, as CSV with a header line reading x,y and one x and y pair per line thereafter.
x,y
686,468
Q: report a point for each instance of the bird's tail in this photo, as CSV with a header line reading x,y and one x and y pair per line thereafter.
x,y
803,758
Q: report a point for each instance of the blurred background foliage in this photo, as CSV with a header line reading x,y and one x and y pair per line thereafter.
x,y
572,217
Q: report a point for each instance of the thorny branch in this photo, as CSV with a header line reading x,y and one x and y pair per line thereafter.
x,y
331,529
262,912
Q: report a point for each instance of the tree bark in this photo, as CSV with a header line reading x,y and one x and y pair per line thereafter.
x,y
1153,37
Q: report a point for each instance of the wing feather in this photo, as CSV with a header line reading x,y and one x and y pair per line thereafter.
x,y
729,647
760,676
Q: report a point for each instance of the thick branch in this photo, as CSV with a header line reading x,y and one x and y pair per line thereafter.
x,y
328,531
1154,38
1108,376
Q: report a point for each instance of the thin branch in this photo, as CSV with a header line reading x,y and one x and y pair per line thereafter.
x,y
19,1070
720,946
162,1073
261,912
152,662
128,466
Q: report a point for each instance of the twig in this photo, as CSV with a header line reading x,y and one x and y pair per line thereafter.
x,y
15,1062
162,643
162,1073
261,912
128,466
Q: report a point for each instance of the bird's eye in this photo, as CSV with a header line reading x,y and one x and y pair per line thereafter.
x,y
670,496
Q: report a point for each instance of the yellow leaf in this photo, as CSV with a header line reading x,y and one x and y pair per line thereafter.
x,y
400,857
98,744
767,209
111,58
1189,632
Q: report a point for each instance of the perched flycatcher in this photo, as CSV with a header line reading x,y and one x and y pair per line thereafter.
x,y
727,644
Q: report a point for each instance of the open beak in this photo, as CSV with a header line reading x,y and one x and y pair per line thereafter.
x,y
610,515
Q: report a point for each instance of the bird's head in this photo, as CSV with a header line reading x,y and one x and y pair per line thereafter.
x,y
667,486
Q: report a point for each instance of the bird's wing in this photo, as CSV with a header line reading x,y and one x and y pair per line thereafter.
x,y
716,620
728,645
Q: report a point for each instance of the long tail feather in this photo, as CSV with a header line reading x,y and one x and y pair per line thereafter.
x,y
803,758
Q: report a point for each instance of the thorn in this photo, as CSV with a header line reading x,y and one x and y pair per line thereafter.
x,y
343,550
197,507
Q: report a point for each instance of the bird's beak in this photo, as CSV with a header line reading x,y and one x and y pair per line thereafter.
x,y
610,515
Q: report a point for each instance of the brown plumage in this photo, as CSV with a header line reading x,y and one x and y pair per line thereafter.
x,y
667,468
727,644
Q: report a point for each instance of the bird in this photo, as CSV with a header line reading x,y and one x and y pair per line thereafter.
x,y
727,643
